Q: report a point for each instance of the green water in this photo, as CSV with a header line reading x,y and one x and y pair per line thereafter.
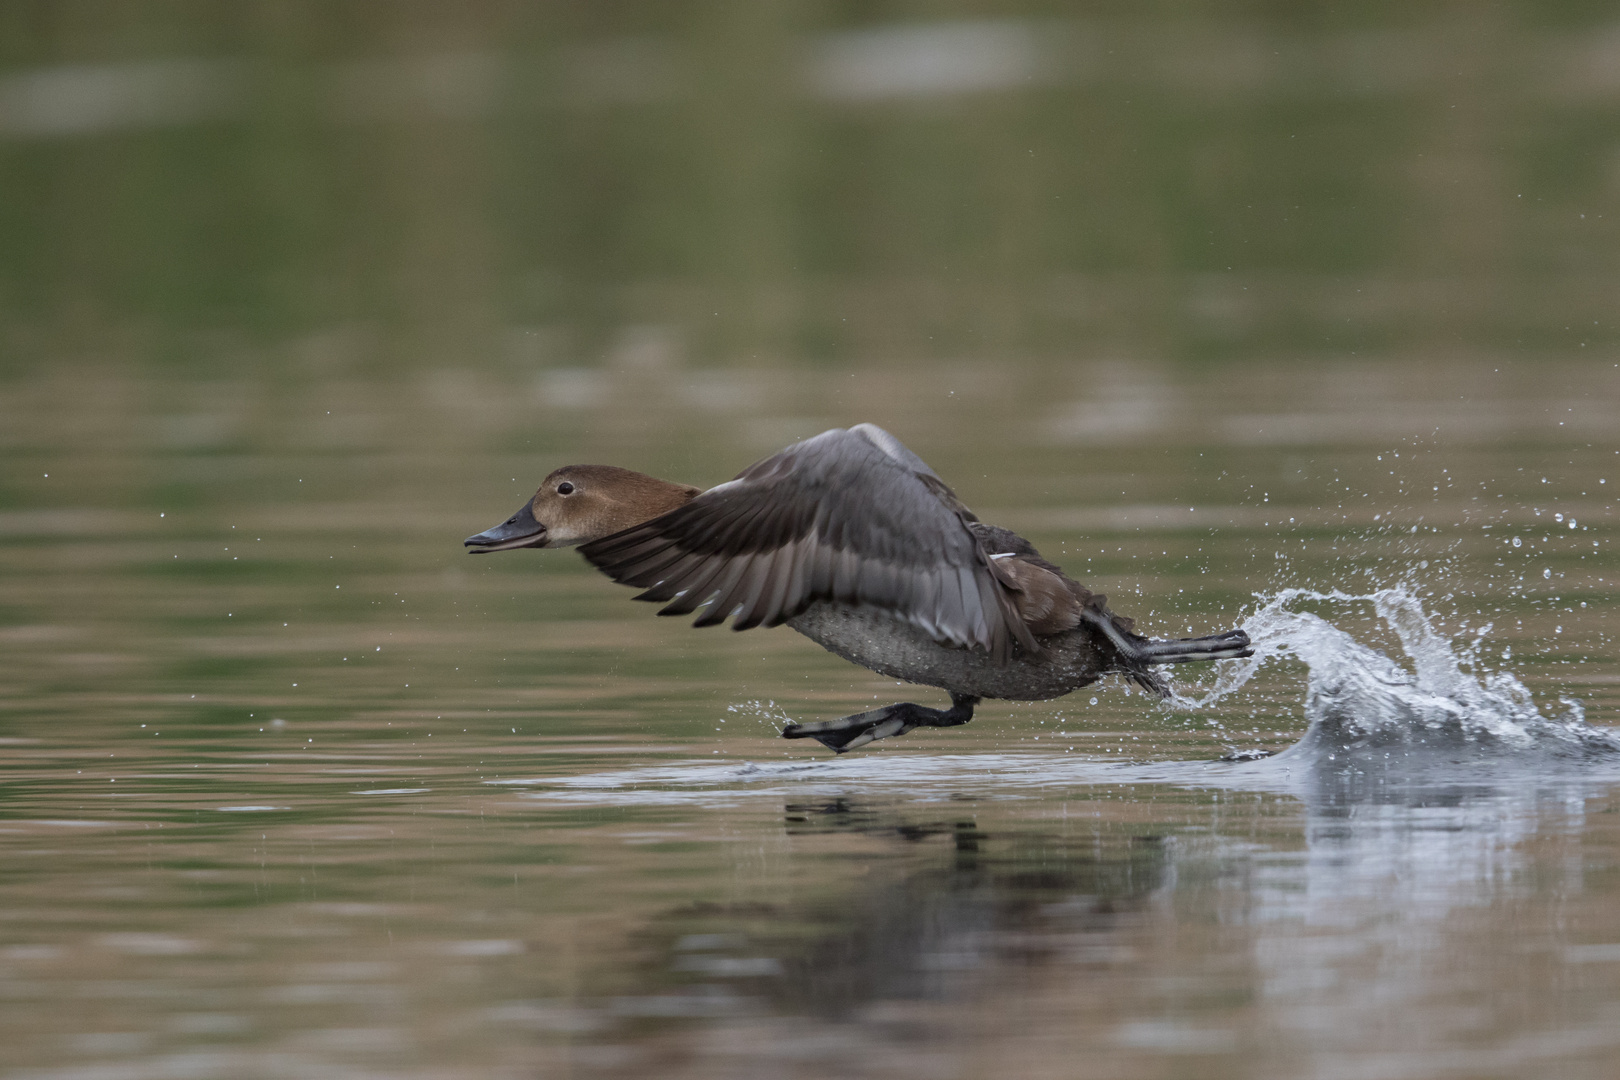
x,y
1207,301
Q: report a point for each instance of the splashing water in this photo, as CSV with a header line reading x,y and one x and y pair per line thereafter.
x,y
769,711
1374,726
1358,698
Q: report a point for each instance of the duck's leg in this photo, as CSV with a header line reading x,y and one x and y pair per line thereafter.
x,y
852,732
1136,649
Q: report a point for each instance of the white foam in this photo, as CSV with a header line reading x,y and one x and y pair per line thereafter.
x,y
1358,698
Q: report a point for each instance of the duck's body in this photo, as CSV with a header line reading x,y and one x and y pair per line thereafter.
x,y
876,640
853,541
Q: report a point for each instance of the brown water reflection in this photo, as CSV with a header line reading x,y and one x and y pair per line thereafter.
x,y
450,928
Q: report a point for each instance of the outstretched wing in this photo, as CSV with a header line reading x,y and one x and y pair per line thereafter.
x,y
848,516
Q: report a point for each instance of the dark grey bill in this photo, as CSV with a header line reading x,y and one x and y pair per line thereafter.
x,y
518,531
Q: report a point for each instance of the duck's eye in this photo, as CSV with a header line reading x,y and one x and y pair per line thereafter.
x,y
565,488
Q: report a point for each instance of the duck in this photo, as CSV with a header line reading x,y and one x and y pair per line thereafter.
x,y
852,540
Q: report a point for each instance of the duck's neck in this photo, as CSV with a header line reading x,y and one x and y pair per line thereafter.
x,y
649,497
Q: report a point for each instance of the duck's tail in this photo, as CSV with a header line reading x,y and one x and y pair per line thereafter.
x,y
1137,653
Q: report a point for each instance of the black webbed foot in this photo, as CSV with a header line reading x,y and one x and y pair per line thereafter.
x,y
855,731
851,732
1136,649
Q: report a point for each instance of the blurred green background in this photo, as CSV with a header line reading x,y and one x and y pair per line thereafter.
x,y
324,186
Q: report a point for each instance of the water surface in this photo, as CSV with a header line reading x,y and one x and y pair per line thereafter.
x,y
1296,319
292,786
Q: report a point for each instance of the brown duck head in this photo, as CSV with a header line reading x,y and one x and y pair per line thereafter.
x,y
580,503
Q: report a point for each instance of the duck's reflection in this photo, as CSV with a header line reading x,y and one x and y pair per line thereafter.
x,y
940,901
1219,928
1415,902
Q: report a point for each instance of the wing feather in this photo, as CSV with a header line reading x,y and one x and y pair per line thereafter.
x,y
746,592
770,598
659,573
850,517
795,595
692,596
721,596
677,576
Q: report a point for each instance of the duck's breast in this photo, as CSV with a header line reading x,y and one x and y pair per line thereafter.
x,y
890,646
